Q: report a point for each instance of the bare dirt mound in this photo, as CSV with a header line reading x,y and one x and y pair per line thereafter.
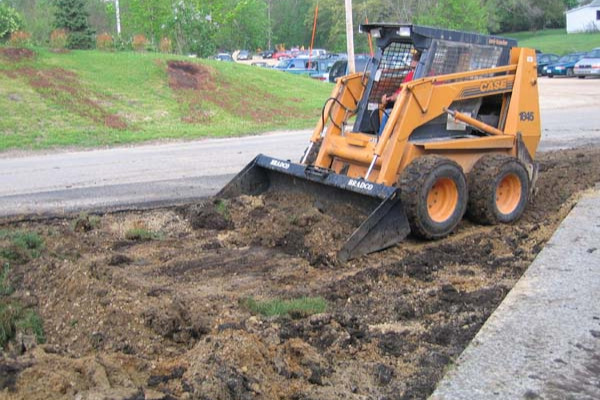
x,y
197,86
16,54
160,313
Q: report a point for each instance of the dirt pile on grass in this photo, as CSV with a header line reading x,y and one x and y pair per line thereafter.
x,y
201,88
16,55
152,304
63,87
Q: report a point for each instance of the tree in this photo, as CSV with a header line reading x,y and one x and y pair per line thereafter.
x,y
468,15
10,21
193,28
72,16
242,23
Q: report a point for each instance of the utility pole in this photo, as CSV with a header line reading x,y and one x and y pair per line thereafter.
x,y
350,37
118,14
270,29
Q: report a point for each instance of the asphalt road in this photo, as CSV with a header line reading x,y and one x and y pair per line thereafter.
x,y
148,175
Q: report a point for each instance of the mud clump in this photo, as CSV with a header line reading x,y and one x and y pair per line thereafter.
x,y
165,318
211,215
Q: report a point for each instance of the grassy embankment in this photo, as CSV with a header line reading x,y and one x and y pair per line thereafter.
x,y
92,98
557,41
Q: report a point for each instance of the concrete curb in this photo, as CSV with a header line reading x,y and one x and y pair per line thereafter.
x,y
543,341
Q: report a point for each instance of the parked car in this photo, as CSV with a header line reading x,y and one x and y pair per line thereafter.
x,y
340,67
298,66
544,59
223,57
589,65
564,66
261,64
267,53
322,66
282,54
243,55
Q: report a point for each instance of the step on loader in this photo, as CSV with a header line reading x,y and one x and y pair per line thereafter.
x,y
460,138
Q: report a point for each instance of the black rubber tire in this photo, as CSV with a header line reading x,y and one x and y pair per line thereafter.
x,y
415,183
484,179
581,76
550,76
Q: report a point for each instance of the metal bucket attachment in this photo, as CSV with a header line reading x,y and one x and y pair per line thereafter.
x,y
385,225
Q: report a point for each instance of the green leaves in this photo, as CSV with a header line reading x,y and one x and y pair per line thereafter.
x,y
10,21
72,16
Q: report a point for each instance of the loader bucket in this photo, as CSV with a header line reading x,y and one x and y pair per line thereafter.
x,y
385,225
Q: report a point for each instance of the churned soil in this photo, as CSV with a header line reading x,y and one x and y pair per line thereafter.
x,y
163,316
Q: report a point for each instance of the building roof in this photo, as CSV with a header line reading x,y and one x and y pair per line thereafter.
x,y
595,3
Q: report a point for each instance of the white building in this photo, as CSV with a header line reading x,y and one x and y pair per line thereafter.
x,y
584,19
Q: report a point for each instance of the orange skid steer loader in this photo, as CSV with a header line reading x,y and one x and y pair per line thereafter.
x,y
460,137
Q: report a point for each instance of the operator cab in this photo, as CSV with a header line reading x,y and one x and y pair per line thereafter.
x,y
442,52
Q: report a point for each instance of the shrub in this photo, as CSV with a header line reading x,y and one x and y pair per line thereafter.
x,y
165,45
105,42
139,42
59,39
10,21
19,39
72,15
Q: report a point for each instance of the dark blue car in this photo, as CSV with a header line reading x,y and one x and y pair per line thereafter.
x,y
565,65
544,59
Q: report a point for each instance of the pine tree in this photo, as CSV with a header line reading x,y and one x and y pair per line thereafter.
x,y
72,16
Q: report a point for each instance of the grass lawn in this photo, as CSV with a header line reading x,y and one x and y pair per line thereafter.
x,y
557,40
93,98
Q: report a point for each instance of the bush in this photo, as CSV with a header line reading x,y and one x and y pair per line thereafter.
x,y
19,39
139,42
105,42
72,16
10,21
59,39
165,45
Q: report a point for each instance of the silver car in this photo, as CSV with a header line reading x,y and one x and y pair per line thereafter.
x,y
589,65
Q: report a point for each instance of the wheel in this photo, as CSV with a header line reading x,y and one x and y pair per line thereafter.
x,y
570,72
433,190
498,190
581,76
550,76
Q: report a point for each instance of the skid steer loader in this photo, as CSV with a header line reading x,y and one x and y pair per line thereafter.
x,y
460,137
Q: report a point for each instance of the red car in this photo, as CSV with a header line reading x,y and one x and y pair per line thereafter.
x,y
282,54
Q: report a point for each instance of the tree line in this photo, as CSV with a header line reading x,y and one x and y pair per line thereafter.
x,y
203,27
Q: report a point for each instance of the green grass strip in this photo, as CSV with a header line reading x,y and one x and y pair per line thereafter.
x,y
302,306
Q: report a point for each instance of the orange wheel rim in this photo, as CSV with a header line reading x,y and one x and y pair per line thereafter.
x,y
442,200
508,194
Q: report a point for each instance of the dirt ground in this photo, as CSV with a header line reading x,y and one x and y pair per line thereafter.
x,y
164,318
